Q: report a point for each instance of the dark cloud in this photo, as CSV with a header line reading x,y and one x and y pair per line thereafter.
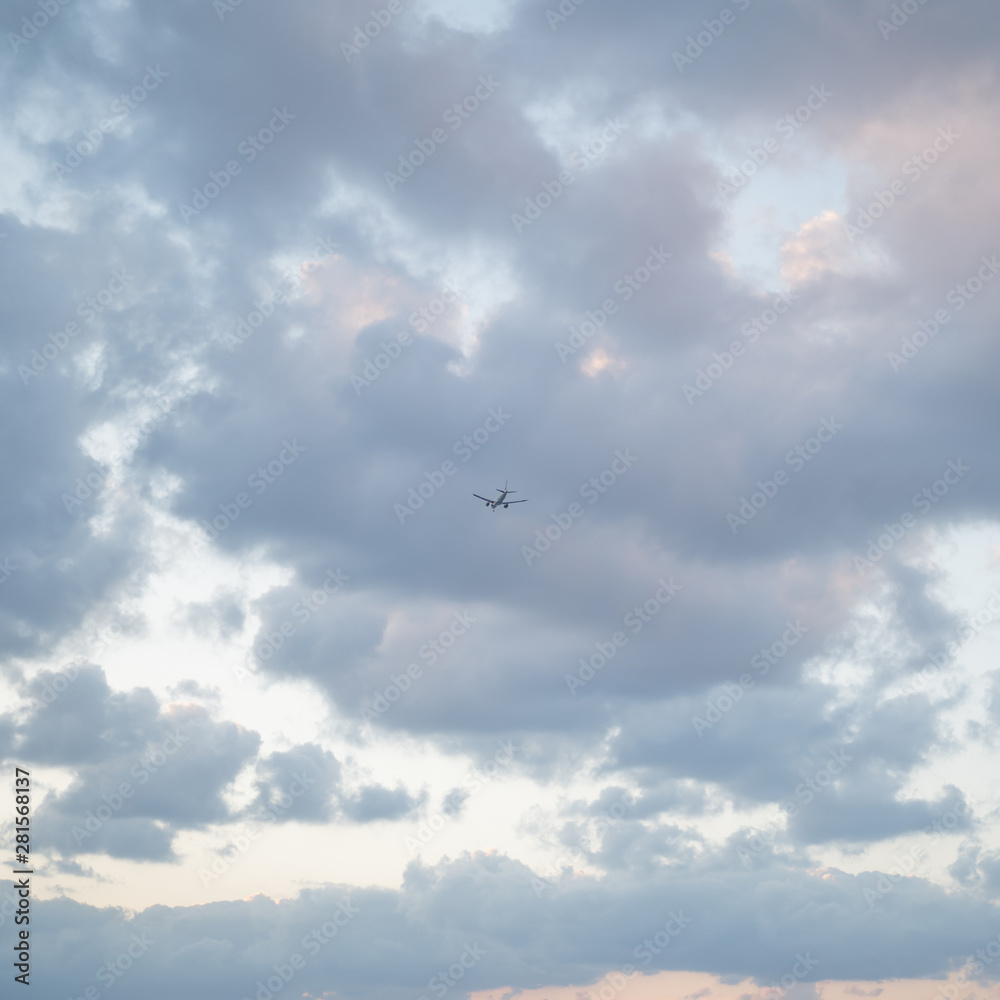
x,y
454,802
376,802
793,495
152,773
306,784
301,784
78,719
142,773
748,924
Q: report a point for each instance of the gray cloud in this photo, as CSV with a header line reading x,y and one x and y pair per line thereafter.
x,y
736,924
202,420
141,774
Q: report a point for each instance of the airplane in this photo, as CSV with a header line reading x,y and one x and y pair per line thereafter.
x,y
502,499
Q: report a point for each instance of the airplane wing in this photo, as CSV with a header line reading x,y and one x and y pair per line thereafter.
x,y
478,497
513,501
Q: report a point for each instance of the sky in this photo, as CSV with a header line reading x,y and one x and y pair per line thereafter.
x,y
286,285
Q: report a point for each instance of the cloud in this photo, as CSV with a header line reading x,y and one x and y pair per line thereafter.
x,y
376,802
525,940
306,784
184,439
150,773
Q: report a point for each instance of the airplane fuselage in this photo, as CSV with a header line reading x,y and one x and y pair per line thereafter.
x,y
501,500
